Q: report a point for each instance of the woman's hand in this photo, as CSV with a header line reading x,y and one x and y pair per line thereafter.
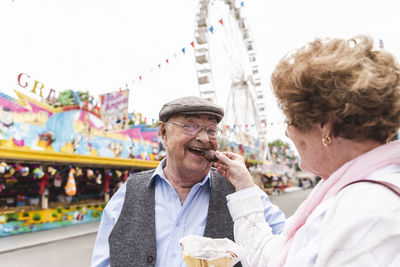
x,y
232,166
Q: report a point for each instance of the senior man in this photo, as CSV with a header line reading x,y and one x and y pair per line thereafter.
x,y
144,220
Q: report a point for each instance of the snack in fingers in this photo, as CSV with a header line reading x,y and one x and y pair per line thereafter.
x,y
209,155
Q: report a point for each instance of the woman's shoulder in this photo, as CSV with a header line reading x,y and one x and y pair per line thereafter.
x,y
365,203
368,192
357,222
369,197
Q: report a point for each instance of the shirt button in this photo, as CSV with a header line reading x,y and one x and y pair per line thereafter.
x,y
150,259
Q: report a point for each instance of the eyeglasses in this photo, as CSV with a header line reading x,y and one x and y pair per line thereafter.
x,y
194,129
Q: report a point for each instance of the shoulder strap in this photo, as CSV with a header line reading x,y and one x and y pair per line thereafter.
x,y
388,185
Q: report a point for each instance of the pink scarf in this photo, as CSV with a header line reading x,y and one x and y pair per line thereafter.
x,y
353,170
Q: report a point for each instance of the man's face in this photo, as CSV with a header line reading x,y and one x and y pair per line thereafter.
x,y
181,147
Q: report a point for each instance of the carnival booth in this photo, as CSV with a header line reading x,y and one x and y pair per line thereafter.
x,y
59,165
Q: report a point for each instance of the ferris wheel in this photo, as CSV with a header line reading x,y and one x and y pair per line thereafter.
x,y
226,67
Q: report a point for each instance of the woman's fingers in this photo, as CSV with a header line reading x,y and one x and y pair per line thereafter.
x,y
226,157
223,170
223,164
230,155
233,167
221,157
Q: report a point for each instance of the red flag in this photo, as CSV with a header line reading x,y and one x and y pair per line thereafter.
x,y
192,44
107,182
43,182
166,61
221,22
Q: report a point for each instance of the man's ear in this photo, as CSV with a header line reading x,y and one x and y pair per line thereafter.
x,y
162,130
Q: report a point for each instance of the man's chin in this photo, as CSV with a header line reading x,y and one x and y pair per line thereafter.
x,y
199,166
195,158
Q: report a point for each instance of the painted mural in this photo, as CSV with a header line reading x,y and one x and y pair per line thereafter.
x,y
25,123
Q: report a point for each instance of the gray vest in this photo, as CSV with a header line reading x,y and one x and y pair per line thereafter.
x,y
133,239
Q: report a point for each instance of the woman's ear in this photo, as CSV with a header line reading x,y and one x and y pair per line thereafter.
x,y
327,128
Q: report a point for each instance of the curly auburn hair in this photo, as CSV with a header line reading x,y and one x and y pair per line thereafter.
x,y
343,81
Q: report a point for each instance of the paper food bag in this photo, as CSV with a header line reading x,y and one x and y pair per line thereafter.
x,y
201,251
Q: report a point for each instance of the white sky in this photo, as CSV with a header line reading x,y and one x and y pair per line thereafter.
x,y
100,45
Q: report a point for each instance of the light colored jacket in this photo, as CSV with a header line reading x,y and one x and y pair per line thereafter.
x,y
360,226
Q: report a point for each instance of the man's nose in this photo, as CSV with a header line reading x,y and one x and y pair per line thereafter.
x,y
202,135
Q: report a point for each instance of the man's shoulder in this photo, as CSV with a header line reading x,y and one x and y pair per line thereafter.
x,y
140,177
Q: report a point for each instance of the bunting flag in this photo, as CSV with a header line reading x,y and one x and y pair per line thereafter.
x,y
221,22
183,50
381,44
211,29
234,127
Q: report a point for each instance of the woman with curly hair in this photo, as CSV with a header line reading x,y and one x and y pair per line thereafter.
x,y
342,103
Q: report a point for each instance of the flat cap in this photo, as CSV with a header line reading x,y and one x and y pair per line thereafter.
x,y
190,105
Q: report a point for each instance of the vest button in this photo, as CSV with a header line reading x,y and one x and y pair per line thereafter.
x,y
150,259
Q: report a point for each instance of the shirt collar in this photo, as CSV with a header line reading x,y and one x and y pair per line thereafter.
x,y
159,172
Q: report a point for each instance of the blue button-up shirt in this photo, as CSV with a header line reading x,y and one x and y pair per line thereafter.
x,y
173,220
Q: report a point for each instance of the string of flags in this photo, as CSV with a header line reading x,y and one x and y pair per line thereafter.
x,y
235,127
227,128
182,51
